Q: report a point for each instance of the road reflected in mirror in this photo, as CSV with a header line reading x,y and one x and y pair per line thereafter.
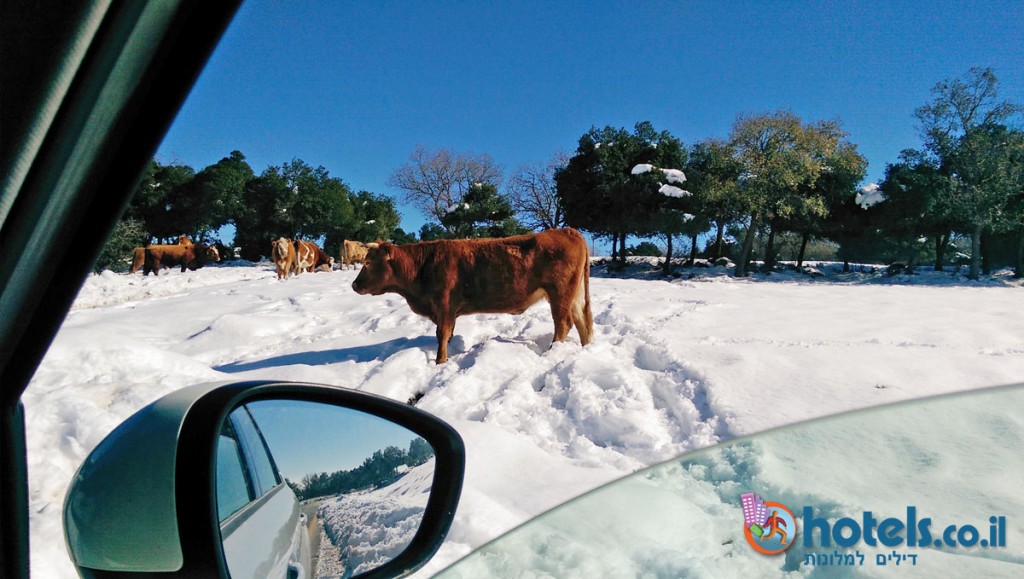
x,y
317,490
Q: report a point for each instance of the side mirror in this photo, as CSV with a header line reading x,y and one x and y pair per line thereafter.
x,y
266,479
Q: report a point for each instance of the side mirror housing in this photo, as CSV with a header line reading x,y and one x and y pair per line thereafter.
x,y
156,495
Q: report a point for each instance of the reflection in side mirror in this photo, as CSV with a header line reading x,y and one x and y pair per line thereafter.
x,y
266,479
321,490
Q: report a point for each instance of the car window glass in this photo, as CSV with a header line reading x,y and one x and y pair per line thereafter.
x,y
232,487
925,486
264,470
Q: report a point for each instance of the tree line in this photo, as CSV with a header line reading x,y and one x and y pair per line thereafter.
x,y
776,181
294,200
777,175
379,469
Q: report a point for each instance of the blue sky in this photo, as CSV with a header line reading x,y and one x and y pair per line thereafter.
x,y
308,437
356,86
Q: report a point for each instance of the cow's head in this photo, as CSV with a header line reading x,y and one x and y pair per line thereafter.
x,y
377,272
280,247
201,255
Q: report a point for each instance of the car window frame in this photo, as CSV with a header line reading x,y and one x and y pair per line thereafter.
x,y
59,210
255,450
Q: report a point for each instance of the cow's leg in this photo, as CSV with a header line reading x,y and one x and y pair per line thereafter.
x,y
582,317
561,311
445,329
156,266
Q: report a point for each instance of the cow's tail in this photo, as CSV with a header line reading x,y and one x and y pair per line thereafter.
x,y
582,316
138,258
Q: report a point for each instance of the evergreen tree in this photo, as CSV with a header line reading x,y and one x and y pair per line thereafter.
x,y
645,248
432,232
482,212
220,188
713,175
399,236
165,201
964,128
916,206
117,252
294,200
419,452
601,193
264,216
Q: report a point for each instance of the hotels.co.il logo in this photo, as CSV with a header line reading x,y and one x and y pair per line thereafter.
x,y
769,527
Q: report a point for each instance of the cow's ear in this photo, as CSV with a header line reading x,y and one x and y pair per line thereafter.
x,y
386,250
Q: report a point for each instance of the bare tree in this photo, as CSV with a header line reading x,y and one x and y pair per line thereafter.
x,y
435,181
534,195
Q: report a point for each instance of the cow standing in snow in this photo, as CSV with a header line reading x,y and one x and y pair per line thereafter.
x,y
446,279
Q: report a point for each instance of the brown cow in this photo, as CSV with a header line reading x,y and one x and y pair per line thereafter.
x,y
324,262
353,252
190,256
283,254
139,254
446,279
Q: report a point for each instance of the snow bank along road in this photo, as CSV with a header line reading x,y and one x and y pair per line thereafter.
x,y
676,365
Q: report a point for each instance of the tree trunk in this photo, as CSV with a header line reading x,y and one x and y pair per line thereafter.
x,y
719,239
693,249
1018,270
986,261
975,253
769,250
619,248
748,244
941,242
846,265
668,256
803,249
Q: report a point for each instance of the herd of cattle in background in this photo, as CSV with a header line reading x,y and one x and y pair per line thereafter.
x,y
440,280
292,257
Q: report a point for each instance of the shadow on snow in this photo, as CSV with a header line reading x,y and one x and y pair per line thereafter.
x,y
366,353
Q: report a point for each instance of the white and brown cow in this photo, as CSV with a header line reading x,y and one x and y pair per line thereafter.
x,y
305,256
283,254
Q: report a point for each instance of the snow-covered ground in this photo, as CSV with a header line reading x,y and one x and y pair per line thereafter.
x,y
676,365
363,530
